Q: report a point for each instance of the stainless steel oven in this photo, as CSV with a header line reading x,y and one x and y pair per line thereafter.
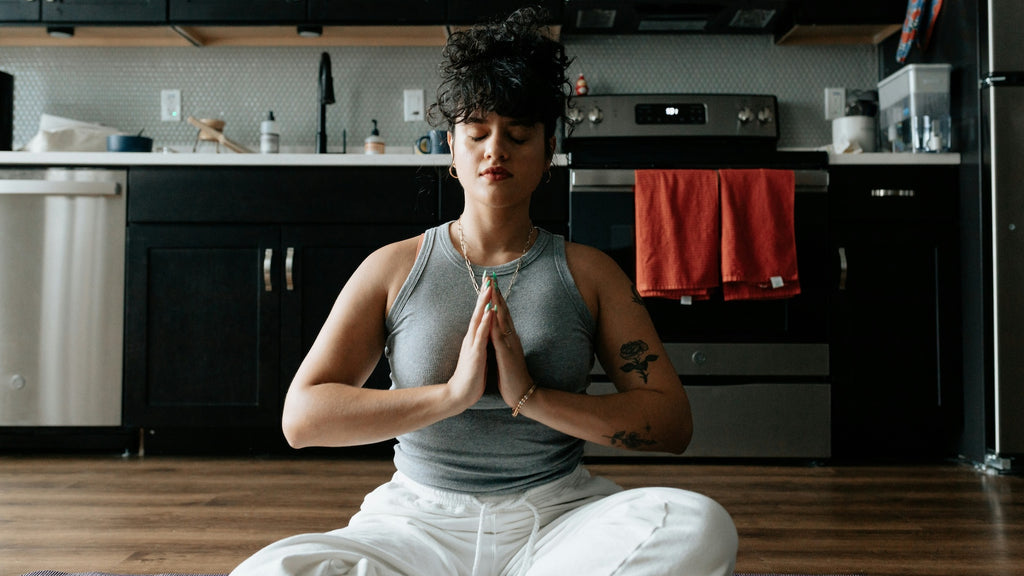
x,y
756,371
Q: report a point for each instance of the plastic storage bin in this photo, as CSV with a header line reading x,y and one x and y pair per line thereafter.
x,y
914,109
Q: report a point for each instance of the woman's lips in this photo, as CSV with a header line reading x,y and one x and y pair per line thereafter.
x,y
496,173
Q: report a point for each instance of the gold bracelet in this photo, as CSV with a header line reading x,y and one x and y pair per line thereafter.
x,y
519,406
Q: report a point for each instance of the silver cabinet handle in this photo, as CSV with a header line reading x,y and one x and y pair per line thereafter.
x,y
892,193
289,259
268,257
842,268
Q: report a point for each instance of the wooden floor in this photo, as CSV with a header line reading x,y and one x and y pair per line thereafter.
x,y
204,515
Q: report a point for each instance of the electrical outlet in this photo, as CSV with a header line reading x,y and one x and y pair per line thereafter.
x,y
835,102
414,105
170,105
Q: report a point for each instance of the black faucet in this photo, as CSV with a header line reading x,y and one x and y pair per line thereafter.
x,y
326,90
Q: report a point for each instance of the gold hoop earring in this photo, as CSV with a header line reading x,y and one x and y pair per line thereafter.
x,y
451,172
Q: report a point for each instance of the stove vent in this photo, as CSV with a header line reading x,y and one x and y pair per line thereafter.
x,y
675,16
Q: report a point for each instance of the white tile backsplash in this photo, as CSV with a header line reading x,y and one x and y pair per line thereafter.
x,y
121,87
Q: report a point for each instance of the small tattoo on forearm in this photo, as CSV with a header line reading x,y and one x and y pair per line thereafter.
x,y
637,298
636,353
631,439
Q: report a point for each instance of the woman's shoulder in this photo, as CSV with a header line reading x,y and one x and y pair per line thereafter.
x,y
384,271
595,274
590,262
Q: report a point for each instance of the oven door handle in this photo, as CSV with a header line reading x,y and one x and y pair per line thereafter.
x,y
601,180
619,180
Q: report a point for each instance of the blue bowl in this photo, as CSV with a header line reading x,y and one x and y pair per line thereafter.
x,y
126,143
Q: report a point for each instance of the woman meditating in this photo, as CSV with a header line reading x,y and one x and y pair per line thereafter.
x,y
491,326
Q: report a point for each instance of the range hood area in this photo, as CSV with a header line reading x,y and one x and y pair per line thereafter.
x,y
789,21
676,16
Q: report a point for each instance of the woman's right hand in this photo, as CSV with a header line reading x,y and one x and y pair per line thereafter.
x,y
469,380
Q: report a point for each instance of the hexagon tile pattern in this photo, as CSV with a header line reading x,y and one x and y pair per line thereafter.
x,y
120,87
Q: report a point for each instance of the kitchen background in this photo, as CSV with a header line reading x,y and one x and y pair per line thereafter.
x,y
120,87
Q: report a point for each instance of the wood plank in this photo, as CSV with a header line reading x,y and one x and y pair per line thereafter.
x,y
183,514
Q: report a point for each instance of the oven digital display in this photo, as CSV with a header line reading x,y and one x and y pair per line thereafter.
x,y
671,114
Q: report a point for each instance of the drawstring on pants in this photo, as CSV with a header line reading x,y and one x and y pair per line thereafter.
x,y
531,542
479,539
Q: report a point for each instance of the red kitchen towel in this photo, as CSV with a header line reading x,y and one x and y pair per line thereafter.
x,y
758,238
677,233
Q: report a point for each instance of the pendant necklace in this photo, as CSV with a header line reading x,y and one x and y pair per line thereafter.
x,y
469,265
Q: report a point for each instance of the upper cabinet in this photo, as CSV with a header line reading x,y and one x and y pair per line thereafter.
x,y
237,11
344,12
19,11
423,22
865,22
464,12
84,11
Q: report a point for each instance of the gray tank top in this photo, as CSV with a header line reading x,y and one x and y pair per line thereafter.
x,y
485,449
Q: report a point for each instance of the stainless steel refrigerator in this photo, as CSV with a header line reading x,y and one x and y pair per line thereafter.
x,y
1001,161
982,40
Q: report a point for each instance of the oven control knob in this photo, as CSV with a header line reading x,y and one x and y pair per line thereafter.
x,y
765,116
595,115
699,357
574,115
745,115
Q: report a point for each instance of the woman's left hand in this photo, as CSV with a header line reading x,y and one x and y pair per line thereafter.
x,y
513,377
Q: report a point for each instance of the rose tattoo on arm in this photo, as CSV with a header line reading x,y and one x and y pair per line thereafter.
x,y
638,359
632,440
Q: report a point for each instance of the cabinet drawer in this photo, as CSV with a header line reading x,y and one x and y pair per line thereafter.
x,y
275,195
880,193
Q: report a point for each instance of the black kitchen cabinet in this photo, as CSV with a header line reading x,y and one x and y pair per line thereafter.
x,y
19,11
202,347
473,11
84,11
850,13
816,22
341,12
237,11
231,273
895,347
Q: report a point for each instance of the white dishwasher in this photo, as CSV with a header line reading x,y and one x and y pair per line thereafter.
x,y
62,257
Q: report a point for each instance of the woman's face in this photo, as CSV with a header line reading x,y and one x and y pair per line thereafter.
x,y
499,160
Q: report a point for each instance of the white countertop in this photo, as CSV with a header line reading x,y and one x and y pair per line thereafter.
x,y
225,159
876,158
355,160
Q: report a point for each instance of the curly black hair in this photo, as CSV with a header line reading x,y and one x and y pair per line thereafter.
x,y
511,67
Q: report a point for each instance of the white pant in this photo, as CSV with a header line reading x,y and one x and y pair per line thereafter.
x,y
577,525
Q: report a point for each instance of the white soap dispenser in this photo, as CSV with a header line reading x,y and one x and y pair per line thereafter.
x,y
270,140
374,144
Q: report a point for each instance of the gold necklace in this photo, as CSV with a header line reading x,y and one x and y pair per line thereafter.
x,y
469,265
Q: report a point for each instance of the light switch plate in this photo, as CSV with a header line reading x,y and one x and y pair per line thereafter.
x,y
170,105
835,103
414,105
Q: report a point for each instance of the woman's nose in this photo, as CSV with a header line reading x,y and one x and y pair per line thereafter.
x,y
495,148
